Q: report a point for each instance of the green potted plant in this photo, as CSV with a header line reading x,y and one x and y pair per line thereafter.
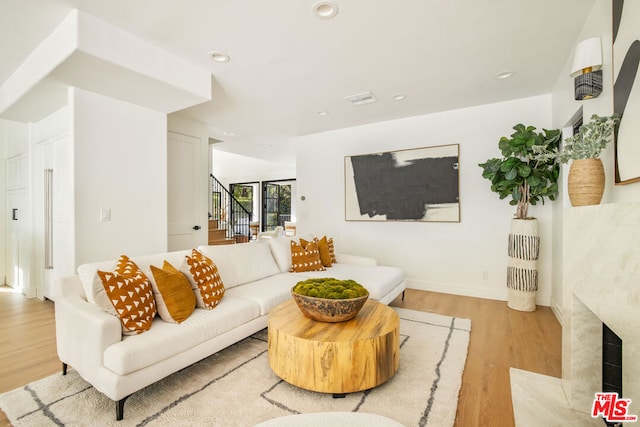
x,y
585,183
523,174
526,176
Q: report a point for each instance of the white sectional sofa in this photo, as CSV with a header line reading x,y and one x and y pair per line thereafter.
x,y
256,278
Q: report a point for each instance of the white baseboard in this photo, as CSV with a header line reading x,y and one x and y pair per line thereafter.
x,y
558,312
462,290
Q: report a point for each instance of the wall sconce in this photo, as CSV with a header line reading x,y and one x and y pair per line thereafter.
x,y
586,69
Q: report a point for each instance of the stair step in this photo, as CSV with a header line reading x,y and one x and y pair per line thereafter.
x,y
217,234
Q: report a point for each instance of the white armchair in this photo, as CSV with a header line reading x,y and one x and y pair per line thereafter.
x,y
276,232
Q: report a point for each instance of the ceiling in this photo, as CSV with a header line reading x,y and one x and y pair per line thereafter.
x,y
287,65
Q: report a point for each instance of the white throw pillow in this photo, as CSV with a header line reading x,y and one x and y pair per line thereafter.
x,y
93,288
281,250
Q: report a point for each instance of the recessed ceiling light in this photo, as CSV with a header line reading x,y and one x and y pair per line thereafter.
x,y
323,113
325,9
228,133
505,75
218,56
399,97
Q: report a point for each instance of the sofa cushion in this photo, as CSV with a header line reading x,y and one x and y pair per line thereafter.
x,y
268,292
175,300
379,280
205,280
165,340
129,291
242,263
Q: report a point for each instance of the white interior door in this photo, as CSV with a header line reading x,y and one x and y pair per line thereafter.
x,y
42,158
52,154
187,228
17,242
17,268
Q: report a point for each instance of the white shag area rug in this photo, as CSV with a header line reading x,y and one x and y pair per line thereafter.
x,y
236,387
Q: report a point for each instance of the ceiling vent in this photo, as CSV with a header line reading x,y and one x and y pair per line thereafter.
x,y
361,98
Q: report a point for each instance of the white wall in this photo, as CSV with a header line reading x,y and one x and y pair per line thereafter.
x,y
120,164
443,257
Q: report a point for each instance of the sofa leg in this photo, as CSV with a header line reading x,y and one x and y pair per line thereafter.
x,y
64,368
120,408
402,295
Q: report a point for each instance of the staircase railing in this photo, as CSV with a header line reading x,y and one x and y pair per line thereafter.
x,y
229,212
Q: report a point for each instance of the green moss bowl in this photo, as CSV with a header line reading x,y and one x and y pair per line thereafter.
x,y
333,309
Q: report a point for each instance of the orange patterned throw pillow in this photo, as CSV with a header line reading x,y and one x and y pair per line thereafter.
x,y
129,290
323,249
205,280
332,251
305,258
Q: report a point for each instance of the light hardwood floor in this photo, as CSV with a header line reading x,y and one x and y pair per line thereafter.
x,y
500,338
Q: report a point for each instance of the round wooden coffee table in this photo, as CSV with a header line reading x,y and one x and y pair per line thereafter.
x,y
338,358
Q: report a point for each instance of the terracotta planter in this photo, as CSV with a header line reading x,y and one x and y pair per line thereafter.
x,y
586,182
522,271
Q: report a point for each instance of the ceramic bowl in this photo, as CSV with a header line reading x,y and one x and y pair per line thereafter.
x,y
329,310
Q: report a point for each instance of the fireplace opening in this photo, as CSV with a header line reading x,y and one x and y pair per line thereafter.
x,y
611,363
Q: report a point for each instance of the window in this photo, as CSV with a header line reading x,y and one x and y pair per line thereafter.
x,y
276,205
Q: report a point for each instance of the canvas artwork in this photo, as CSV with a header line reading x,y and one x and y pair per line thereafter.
x,y
419,184
626,91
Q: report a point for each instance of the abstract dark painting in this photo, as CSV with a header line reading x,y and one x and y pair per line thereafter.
x,y
626,90
419,184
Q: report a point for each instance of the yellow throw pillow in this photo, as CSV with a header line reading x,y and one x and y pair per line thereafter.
x,y
205,280
323,248
332,251
305,258
129,290
175,300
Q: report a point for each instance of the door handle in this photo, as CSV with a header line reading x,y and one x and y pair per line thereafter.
x,y
196,227
14,214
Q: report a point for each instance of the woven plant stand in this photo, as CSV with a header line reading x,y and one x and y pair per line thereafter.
x,y
522,271
585,183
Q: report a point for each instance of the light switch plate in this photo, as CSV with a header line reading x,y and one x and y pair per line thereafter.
x,y
105,214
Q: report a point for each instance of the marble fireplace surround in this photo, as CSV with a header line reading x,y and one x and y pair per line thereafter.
x,y
601,277
601,254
